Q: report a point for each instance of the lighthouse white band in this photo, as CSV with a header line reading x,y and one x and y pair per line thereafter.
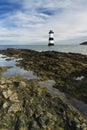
x,y
51,38
51,41
51,35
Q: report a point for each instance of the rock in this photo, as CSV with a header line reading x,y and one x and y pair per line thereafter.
x,y
29,107
84,126
22,84
15,108
20,123
49,115
1,102
2,82
5,105
7,93
14,97
33,125
8,81
60,128
81,119
11,95
30,112
45,120
72,124
76,120
78,126
31,100
38,112
3,86
41,122
16,83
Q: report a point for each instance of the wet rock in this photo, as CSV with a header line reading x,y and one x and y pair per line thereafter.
x,y
30,112
84,126
16,84
38,111
72,123
45,120
49,115
38,91
41,122
21,124
78,126
1,102
33,125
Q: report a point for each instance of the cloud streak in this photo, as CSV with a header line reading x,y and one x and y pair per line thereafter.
x,y
30,21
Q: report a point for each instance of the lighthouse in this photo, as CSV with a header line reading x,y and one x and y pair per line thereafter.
x,y
51,38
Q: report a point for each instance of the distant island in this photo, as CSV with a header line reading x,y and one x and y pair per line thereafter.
x,y
83,43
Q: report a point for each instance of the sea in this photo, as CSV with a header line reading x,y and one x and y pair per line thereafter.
x,y
82,49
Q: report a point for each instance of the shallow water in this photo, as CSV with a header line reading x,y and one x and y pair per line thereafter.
x,y
14,70
49,84
79,105
19,71
4,62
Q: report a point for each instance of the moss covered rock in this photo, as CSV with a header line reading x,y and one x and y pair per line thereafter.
x,y
28,106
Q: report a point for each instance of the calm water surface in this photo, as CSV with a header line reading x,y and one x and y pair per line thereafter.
x,y
15,70
60,48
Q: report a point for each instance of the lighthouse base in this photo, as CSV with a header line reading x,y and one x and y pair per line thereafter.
x,y
51,44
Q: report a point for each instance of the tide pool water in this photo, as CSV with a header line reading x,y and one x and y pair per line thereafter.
x,y
14,70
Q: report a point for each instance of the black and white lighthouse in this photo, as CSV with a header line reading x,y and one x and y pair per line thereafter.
x,y
51,38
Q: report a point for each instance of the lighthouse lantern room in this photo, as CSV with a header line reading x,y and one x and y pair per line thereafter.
x,y
51,38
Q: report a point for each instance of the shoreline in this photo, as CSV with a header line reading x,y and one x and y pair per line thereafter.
x,y
59,48
65,69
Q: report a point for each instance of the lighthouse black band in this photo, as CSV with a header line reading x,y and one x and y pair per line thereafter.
x,y
51,38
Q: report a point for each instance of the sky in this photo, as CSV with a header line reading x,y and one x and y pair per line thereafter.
x,y
29,21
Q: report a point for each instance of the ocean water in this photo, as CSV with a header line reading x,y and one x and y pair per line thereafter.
x,y
59,48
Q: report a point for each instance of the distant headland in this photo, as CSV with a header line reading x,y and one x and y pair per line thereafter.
x,y
83,43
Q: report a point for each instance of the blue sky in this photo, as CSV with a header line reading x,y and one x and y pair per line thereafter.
x,y
29,21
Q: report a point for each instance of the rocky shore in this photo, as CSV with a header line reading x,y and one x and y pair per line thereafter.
x,y
25,105
69,70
